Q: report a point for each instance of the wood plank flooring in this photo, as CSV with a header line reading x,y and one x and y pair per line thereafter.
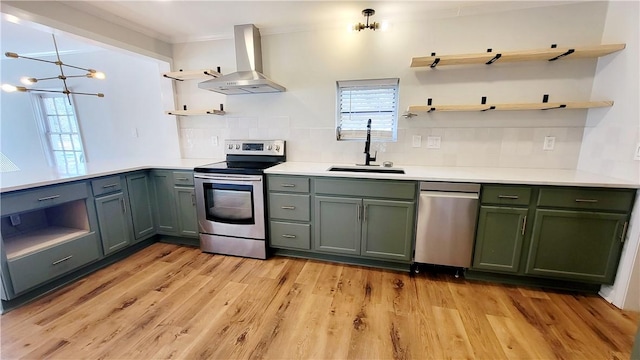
x,y
173,302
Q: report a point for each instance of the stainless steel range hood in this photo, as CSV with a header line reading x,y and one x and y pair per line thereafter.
x,y
249,78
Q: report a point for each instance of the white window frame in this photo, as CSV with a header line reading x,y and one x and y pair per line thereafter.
x,y
69,149
357,101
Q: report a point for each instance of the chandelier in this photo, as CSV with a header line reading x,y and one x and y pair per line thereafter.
x,y
90,73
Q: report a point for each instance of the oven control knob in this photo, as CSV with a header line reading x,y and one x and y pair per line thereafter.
x,y
269,147
230,146
277,147
237,146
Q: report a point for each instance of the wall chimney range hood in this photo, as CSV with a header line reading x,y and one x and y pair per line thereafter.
x,y
249,78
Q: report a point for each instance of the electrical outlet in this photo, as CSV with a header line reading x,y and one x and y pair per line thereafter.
x,y
417,141
433,142
214,140
636,155
549,143
134,132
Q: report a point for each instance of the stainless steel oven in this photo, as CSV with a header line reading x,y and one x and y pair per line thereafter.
x,y
230,198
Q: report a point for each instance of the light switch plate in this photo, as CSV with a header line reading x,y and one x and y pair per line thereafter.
x,y
636,155
433,142
214,140
416,141
549,143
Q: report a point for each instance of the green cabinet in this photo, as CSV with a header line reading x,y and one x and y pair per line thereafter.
x,y
186,210
371,226
114,222
576,245
139,189
337,224
499,238
174,203
549,232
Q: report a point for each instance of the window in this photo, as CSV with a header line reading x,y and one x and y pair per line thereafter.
x,y
61,132
361,100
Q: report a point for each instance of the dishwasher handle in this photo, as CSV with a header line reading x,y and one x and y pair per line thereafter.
x,y
450,194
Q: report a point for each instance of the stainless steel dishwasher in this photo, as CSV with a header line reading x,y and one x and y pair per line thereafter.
x,y
447,214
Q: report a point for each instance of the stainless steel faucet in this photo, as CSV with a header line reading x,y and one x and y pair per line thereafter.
x,y
367,147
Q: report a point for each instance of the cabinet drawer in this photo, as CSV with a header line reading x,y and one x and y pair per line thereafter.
x,y
289,183
367,188
36,268
106,185
591,199
183,178
287,235
289,206
506,195
43,197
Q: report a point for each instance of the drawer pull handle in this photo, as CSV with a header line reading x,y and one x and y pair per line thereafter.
x,y
109,185
182,179
62,260
288,207
49,198
592,201
624,231
524,224
512,197
288,236
124,208
288,185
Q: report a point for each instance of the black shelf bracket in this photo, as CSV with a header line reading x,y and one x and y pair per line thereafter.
x,y
429,101
568,52
489,108
171,77
483,102
434,63
561,106
494,59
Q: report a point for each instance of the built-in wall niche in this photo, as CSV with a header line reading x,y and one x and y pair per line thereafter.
x,y
36,230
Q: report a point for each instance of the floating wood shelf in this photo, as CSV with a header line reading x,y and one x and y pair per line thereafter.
x,y
515,106
195,112
549,54
192,74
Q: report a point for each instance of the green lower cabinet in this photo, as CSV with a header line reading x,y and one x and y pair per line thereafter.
x,y
576,245
337,225
164,209
387,229
139,188
499,238
186,205
114,222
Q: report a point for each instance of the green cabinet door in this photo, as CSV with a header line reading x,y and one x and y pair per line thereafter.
x,y
165,208
337,225
186,204
576,245
139,188
387,229
499,238
114,222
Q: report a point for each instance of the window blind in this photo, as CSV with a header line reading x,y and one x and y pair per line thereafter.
x,y
361,100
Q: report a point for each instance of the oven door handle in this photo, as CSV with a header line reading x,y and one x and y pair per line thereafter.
x,y
227,177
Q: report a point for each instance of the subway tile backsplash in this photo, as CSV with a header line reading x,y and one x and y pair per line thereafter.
x,y
519,147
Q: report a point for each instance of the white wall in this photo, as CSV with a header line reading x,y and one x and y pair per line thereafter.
x,y
609,140
132,102
309,63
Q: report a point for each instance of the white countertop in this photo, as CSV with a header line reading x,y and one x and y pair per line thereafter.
x,y
464,174
25,179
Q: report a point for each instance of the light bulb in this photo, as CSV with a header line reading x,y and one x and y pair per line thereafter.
x,y
9,88
99,75
384,26
28,81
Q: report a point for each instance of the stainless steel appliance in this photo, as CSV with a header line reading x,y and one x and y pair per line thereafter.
x,y
230,200
447,215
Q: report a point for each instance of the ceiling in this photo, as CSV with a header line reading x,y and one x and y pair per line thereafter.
x,y
177,21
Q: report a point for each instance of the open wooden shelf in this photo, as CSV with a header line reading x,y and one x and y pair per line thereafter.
x,y
514,106
195,112
549,54
192,74
30,242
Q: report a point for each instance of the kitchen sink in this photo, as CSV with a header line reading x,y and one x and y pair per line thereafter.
x,y
367,169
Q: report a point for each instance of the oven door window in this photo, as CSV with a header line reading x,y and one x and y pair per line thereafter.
x,y
229,204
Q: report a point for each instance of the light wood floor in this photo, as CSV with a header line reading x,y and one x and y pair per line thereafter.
x,y
168,301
